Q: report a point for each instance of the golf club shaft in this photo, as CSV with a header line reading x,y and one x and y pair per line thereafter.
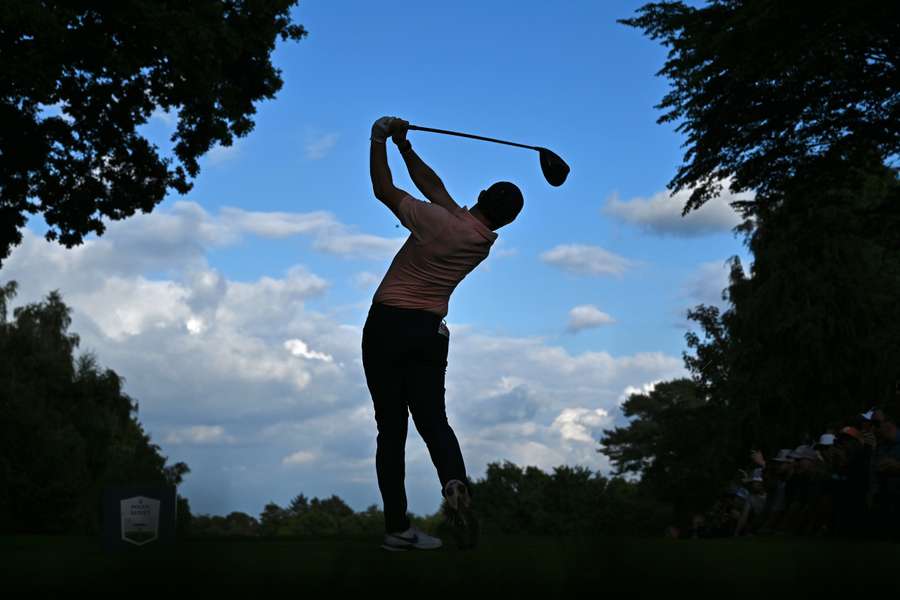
x,y
469,135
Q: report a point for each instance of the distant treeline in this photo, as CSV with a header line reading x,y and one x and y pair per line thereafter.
x,y
510,499
67,430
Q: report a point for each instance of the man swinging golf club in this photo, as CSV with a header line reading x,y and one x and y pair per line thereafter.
x,y
405,339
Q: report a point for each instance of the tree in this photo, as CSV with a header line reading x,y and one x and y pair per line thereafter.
x,y
677,443
67,429
106,67
762,87
813,333
799,103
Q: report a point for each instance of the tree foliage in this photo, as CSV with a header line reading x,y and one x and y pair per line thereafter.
x,y
67,429
106,67
798,102
762,87
676,442
813,332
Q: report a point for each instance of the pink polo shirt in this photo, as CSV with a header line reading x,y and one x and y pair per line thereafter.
x,y
443,247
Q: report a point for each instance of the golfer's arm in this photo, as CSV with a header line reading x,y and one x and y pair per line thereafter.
x,y
382,181
427,180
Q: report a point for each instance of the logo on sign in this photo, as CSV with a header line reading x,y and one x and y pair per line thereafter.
x,y
140,520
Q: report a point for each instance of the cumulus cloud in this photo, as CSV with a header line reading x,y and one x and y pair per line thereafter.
x,y
707,283
329,235
580,424
587,316
299,348
169,118
660,214
630,390
364,280
283,383
301,457
199,434
319,147
220,154
583,259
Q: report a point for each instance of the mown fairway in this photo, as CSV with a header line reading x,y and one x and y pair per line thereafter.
x,y
512,564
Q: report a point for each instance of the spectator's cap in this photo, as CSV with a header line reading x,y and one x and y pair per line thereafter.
x,y
851,432
805,453
826,439
868,414
784,455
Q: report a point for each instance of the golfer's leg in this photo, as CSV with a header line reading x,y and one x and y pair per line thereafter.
x,y
425,388
384,378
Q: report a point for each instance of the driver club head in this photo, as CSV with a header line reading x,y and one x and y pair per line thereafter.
x,y
555,169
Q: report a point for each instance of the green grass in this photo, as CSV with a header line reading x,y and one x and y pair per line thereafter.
x,y
511,564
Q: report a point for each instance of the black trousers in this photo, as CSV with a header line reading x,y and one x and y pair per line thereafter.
x,y
405,360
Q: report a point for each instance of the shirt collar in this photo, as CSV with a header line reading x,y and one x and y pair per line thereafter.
x,y
481,227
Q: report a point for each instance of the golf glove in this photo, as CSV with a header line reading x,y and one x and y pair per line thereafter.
x,y
381,129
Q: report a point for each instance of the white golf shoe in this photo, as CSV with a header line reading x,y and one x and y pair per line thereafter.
x,y
411,539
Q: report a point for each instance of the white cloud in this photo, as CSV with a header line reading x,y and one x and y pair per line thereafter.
x,y
364,280
329,235
357,245
199,435
319,147
644,389
168,117
288,381
299,348
587,316
583,259
302,457
660,214
707,283
219,154
581,424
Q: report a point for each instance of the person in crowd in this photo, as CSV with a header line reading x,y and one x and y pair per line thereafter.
x,y
751,518
852,478
887,472
831,479
775,476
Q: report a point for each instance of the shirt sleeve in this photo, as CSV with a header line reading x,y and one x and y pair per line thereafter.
x,y
424,219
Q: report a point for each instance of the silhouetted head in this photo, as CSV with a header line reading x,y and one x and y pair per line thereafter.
x,y
500,203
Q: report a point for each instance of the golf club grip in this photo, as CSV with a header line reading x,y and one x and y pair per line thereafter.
x,y
469,135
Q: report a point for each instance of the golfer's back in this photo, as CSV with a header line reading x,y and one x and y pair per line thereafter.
x,y
443,247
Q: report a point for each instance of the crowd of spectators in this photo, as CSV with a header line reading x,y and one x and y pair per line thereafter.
x,y
845,484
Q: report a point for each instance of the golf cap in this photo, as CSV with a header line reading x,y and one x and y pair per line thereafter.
x,y
868,414
805,453
784,455
826,439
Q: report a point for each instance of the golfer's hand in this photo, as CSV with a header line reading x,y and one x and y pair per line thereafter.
x,y
399,127
381,129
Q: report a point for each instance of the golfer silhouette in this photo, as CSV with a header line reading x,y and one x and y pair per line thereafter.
x,y
405,339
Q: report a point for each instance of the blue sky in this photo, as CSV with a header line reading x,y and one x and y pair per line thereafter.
x,y
235,312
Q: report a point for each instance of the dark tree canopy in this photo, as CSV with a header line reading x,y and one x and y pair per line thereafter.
x,y
107,66
812,335
675,442
761,88
67,429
